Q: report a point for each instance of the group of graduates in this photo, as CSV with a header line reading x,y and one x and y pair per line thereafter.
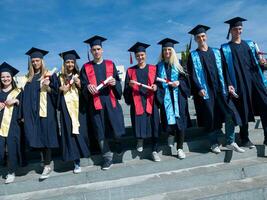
x,y
227,85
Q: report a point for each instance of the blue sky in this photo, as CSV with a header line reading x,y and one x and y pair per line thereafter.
x,y
63,25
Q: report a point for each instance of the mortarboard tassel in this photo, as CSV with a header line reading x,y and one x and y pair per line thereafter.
x,y
228,34
190,43
131,58
88,54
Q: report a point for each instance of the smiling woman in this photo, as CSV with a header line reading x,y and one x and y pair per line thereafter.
x,y
10,130
40,120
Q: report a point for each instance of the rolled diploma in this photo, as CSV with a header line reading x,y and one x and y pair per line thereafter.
x,y
104,83
163,80
72,79
258,51
142,85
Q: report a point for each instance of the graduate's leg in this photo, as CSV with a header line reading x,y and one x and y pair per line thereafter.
x,y
47,156
213,136
229,121
155,149
118,145
171,135
180,138
47,153
2,150
155,143
77,168
180,141
13,155
263,116
98,120
243,132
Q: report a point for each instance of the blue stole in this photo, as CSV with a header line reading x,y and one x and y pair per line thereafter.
x,y
253,49
200,74
170,113
229,60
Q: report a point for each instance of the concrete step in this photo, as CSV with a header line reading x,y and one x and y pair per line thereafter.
x,y
136,167
117,185
137,172
242,189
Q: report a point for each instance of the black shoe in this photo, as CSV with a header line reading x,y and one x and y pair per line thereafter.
x,y
248,144
107,164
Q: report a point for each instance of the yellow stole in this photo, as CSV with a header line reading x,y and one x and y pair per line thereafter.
x,y
43,102
8,111
43,98
72,101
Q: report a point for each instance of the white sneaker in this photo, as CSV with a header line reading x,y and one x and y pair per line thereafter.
x,y
46,172
181,154
77,169
234,147
10,178
155,156
215,148
139,146
171,141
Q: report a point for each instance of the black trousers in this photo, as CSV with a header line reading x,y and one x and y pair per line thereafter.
x,y
47,155
178,134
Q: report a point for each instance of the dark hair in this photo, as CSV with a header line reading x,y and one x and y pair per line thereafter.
x,y
13,82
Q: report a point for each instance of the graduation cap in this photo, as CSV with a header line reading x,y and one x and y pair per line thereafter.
x,y
95,40
5,67
69,55
199,29
234,22
136,48
167,42
36,53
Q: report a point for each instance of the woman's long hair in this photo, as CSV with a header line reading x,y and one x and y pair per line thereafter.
x,y
173,61
13,83
64,71
31,70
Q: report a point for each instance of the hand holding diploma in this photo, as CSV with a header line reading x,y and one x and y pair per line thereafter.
x,y
105,82
74,79
232,91
45,81
132,82
95,89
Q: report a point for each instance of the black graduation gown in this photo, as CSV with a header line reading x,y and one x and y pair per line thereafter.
x,y
183,94
40,132
13,140
250,87
146,125
108,122
73,146
209,113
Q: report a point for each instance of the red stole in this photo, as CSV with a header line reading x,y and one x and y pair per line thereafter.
x,y
90,73
139,110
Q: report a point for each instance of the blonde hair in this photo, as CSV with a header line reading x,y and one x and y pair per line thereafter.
x,y
31,70
173,61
